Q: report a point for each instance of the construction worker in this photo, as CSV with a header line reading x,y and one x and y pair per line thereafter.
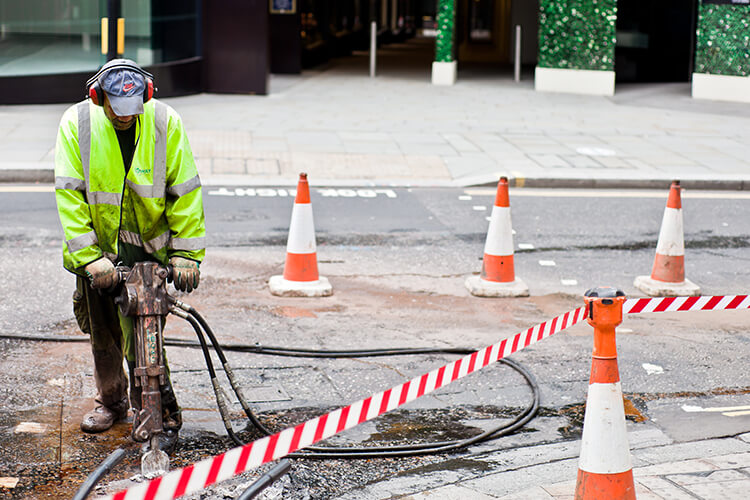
x,y
127,191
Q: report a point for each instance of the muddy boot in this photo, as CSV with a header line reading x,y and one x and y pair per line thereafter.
x,y
111,385
103,417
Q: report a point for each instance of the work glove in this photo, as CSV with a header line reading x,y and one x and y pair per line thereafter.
x,y
101,273
185,273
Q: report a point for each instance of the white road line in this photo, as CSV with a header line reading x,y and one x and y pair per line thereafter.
x,y
720,409
736,413
611,193
27,189
547,263
529,192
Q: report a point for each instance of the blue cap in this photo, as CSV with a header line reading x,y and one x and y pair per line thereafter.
x,y
124,88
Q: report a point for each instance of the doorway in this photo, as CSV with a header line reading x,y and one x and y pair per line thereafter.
x,y
483,31
655,40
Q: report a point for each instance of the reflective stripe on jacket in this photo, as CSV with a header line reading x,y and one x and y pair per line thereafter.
x,y
158,206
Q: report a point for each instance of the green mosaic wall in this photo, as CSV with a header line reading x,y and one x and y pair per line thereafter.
x,y
723,41
577,34
446,18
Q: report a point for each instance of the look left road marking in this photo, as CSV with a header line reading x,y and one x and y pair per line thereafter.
x,y
326,193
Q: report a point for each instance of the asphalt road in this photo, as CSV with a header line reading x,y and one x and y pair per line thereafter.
x,y
584,237
397,262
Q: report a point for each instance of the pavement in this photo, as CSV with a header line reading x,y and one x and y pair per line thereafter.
x,y
344,128
662,470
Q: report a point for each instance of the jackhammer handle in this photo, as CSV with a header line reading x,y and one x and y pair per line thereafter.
x,y
122,273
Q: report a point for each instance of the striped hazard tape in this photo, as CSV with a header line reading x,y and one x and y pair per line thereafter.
x,y
670,304
244,458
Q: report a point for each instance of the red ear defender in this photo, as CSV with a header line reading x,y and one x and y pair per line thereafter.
x,y
94,90
148,92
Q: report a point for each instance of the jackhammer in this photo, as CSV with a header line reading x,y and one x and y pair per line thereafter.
x,y
144,297
141,293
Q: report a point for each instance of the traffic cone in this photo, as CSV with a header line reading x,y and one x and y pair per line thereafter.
x,y
300,278
498,277
668,274
605,471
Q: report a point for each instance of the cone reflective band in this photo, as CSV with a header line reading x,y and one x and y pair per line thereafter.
x,y
498,277
300,278
497,264
668,272
301,259
605,471
669,263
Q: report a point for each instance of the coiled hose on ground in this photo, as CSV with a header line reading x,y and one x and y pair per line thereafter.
x,y
345,452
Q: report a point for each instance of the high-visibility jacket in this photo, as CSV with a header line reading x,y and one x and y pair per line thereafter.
x,y
158,206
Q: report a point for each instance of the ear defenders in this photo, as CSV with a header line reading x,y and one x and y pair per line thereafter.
x,y
94,90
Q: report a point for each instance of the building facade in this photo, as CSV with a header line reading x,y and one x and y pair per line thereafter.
x,y
588,45
49,47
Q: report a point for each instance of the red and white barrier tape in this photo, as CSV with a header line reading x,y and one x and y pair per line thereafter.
x,y
670,304
244,458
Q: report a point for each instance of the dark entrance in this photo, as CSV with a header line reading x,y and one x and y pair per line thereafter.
x,y
655,40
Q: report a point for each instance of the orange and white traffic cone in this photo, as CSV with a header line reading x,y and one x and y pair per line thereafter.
x,y
668,274
605,471
301,277
498,277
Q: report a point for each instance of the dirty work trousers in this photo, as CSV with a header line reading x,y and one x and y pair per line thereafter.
x,y
112,339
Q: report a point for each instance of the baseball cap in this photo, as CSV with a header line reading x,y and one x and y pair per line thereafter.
x,y
124,88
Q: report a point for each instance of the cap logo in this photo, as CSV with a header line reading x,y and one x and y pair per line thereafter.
x,y
127,87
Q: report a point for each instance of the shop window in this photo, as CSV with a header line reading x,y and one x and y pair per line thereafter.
x,y
64,36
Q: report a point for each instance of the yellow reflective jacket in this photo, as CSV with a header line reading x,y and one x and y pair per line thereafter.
x,y
158,206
